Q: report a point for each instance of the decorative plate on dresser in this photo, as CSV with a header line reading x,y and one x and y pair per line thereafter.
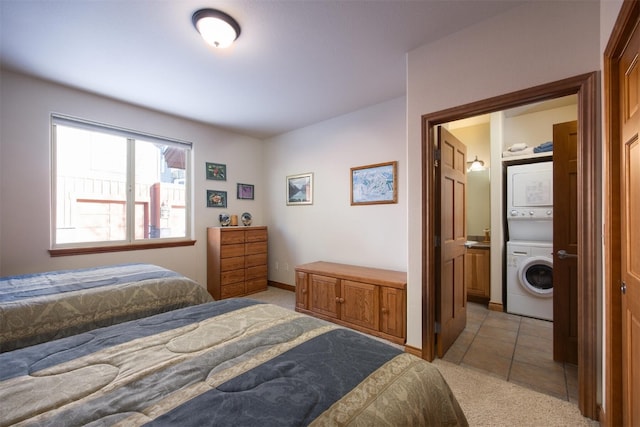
x,y
246,218
225,219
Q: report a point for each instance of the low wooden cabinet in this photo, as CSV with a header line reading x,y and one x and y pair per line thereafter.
x,y
370,300
477,276
236,261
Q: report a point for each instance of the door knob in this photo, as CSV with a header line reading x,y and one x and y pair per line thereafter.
x,y
623,288
562,254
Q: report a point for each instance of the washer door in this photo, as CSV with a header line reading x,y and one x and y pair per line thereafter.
x,y
535,275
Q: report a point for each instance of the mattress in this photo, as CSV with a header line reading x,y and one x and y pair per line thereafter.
x,y
36,308
233,362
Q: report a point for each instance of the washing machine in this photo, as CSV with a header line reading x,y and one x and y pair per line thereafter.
x,y
530,279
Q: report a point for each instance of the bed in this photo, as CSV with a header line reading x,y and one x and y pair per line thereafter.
x,y
40,307
232,362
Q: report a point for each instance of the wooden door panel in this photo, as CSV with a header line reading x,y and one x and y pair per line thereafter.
x,y
392,313
451,315
629,230
301,290
631,282
360,304
565,237
323,295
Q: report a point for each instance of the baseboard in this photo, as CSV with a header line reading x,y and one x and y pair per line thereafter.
x,y
413,350
494,306
281,286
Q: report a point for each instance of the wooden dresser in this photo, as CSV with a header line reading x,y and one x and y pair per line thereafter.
x,y
370,300
236,261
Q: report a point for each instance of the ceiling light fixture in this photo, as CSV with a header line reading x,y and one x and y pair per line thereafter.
x,y
216,28
475,165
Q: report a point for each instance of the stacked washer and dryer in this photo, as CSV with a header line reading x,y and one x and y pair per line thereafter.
x,y
529,269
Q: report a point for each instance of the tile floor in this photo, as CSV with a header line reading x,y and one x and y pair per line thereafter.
x,y
515,348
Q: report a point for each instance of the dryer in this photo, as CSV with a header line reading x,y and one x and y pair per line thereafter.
x,y
530,202
530,279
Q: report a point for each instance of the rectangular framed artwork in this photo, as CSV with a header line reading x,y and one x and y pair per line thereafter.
x,y
374,184
216,199
300,189
216,171
245,191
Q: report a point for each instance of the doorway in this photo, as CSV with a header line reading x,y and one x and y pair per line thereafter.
x,y
585,86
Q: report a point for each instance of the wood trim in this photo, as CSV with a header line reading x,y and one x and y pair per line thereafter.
x,y
413,350
428,241
494,306
628,19
281,286
119,248
585,86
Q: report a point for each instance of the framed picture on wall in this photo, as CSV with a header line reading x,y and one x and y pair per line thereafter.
x,y
216,199
374,184
300,189
216,171
245,191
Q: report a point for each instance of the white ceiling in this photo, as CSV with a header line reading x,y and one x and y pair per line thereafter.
x,y
295,63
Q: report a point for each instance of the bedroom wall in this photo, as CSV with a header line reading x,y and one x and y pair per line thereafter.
x,y
331,229
536,43
26,105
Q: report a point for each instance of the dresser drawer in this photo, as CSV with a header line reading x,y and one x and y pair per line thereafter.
x,y
256,285
234,290
229,251
258,271
235,263
253,260
256,235
228,237
233,276
255,248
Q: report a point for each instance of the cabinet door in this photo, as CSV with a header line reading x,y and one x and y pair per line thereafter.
x,y
393,312
477,274
302,289
360,304
324,294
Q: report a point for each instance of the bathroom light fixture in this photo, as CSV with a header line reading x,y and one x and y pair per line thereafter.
x,y
475,165
216,28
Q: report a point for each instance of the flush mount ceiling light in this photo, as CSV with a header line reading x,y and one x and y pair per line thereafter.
x,y
216,28
475,165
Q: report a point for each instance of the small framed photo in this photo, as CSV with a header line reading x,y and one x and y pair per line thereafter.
x,y
216,171
216,199
245,191
374,184
300,189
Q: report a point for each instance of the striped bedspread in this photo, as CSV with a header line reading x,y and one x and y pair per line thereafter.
x,y
36,308
234,362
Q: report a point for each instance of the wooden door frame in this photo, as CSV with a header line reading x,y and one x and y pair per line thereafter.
x,y
628,18
586,87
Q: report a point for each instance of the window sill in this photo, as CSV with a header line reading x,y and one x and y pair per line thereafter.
x,y
119,248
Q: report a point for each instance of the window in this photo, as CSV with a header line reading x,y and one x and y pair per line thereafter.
x,y
115,187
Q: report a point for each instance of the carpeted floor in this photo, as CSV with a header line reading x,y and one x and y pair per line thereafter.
x,y
489,401
485,400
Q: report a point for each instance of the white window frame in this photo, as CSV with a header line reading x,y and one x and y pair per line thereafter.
x,y
130,242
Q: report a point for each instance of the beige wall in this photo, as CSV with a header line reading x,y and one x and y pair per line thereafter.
x,y
25,146
331,229
536,43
